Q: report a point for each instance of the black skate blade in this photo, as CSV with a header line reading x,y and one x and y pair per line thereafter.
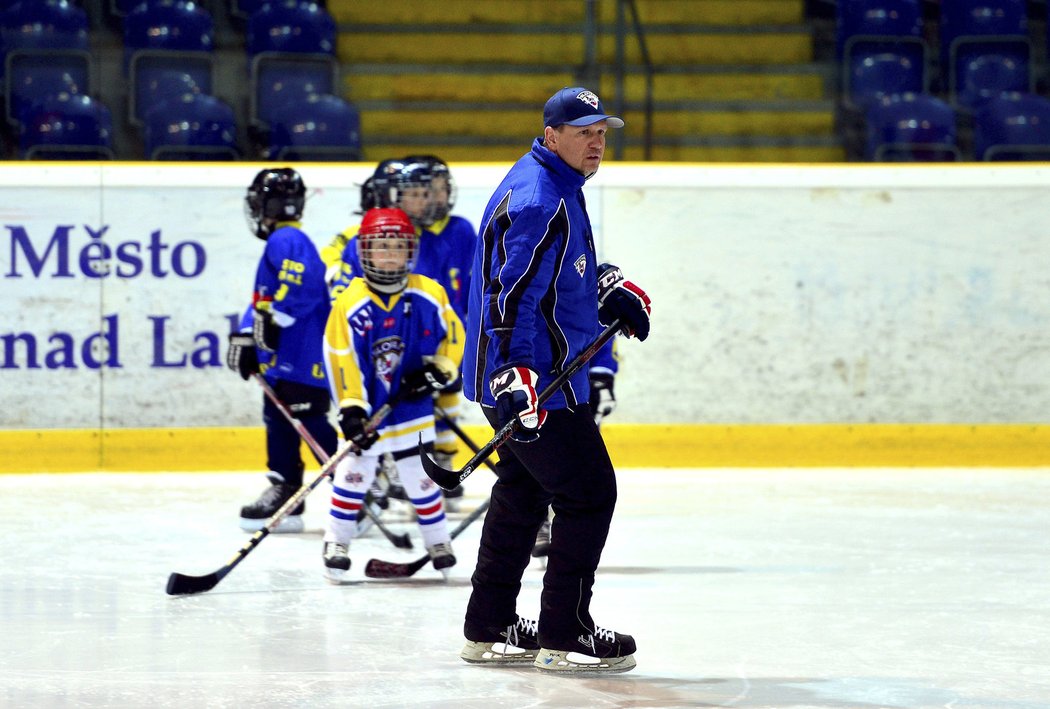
x,y
182,585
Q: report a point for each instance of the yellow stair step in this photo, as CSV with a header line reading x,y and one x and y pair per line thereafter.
x,y
374,152
743,154
527,123
471,48
666,12
417,12
712,12
535,89
532,88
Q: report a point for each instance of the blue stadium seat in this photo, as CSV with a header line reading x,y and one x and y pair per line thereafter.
x,y
192,126
153,70
881,49
168,25
279,77
1014,128
870,77
911,128
322,128
881,22
154,87
290,26
987,76
67,127
44,24
971,29
34,74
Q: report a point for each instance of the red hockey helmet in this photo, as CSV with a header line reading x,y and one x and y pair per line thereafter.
x,y
386,247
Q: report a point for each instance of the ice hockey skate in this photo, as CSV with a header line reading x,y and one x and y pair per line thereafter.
x,y
336,561
600,651
441,557
513,645
255,515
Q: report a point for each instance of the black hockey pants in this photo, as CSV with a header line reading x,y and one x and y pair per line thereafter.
x,y
283,441
569,467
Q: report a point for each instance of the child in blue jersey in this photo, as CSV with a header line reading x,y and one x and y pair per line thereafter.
x,y
392,337
281,335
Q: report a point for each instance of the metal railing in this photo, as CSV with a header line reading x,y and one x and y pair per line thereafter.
x,y
622,8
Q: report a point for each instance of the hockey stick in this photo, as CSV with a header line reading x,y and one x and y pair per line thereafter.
x,y
401,541
378,569
458,430
448,479
182,584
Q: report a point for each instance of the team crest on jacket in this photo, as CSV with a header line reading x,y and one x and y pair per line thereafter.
x,y
581,265
588,98
386,359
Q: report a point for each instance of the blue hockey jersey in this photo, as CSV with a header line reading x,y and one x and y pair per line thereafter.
x,y
289,281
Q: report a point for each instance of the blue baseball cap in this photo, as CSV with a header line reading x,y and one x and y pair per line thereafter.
x,y
576,106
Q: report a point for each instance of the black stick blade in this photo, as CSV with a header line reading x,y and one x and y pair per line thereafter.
x,y
182,585
379,569
446,479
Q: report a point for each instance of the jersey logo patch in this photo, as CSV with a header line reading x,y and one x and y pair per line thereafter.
x,y
581,265
361,322
386,359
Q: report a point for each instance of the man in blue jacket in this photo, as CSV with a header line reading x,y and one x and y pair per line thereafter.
x,y
538,298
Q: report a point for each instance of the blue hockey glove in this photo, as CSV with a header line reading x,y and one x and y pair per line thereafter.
x,y
602,400
266,332
619,298
354,422
515,390
241,357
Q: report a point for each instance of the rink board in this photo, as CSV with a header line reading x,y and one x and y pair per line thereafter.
x,y
631,445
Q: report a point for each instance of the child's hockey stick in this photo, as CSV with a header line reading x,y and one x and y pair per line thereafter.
x,y
182,584
377,569
401,541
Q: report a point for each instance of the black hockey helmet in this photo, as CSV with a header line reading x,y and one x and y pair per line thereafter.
x,y
406,186
442,186
275,195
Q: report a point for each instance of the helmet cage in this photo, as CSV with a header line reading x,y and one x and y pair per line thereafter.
x,y
387,247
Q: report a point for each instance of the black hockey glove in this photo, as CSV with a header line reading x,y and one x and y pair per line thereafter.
x,y
424,381
618,298
354,422
241,357
266,332
515,392
603,400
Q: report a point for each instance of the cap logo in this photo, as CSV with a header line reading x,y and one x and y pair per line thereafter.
x,y
588,98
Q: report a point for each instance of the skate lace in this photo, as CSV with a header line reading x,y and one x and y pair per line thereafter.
x,y
336,549
440,549
604,634
523,627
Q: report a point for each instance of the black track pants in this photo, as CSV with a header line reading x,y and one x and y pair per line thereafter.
x,y
569,467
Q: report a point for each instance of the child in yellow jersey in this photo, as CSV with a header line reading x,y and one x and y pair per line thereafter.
x,y
392,336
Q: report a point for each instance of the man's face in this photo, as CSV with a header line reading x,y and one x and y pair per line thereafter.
x,y
581,147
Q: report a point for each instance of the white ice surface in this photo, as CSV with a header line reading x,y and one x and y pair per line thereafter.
x,y
743,588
